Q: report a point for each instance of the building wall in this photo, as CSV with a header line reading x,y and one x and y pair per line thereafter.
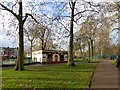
x,y
49,56
8,52
1,51
37,55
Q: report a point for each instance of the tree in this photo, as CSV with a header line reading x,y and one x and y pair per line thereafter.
x,y
76,12
43,36
80,43
117,8
70,52
114,8
88,31
105,33
21,20
96,31
30,33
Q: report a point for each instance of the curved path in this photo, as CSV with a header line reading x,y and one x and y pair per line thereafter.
x,y
105,76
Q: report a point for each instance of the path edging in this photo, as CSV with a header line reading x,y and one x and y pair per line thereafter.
x,y
90,82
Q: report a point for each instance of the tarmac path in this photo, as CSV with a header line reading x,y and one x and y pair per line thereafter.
x,y
106,76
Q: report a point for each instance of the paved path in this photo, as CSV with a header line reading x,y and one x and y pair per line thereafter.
x,y
105,76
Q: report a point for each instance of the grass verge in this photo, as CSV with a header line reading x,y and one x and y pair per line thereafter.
x,y
53,76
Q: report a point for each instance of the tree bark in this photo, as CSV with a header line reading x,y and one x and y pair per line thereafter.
x,y
42,43
81,53
31,48
92,48
89,49
70,52
20,60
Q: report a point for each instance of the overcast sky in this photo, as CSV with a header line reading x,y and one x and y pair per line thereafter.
x,y
6,41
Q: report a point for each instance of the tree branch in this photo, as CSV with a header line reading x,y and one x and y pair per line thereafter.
x,y
85,11
115,29
7,9
91,4
26,15
13,5
70,5
63,25
76,21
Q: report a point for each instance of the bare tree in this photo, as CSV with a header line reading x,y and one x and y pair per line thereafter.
x,y
21,20
75,13
30,33
80,43
44,35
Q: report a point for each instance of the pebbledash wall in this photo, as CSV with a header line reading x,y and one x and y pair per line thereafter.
x,y
50,56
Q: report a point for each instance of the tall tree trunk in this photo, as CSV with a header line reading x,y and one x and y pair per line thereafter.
x,y
89,49
70,52
42,44
81,53
92,48
20,59
31,48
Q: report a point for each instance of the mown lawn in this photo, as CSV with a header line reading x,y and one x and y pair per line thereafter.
x,y
53,76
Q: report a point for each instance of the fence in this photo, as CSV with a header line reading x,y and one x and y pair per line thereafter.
x,y
13,61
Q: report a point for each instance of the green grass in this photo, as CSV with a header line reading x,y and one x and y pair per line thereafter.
x,y
86,60
53,76
80,60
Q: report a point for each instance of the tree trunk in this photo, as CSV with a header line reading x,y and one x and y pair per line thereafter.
x,y
89,49
19,63
70,52
81,53
31,48
42,44
92,48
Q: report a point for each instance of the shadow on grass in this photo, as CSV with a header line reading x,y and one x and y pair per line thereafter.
x,y
49,76
30,70
62,68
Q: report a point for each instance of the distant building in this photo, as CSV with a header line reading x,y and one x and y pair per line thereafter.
x,y
49,56
6,52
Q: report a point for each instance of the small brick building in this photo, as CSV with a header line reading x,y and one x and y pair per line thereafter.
x,y
50,56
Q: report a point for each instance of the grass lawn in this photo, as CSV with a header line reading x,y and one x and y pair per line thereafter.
x,y
53,76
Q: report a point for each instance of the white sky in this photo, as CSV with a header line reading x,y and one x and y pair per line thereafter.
x,y
6,41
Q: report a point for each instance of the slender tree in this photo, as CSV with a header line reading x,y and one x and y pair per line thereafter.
x,y
31,33
70,52
75,15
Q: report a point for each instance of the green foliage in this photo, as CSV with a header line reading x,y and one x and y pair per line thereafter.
x,y
53,76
